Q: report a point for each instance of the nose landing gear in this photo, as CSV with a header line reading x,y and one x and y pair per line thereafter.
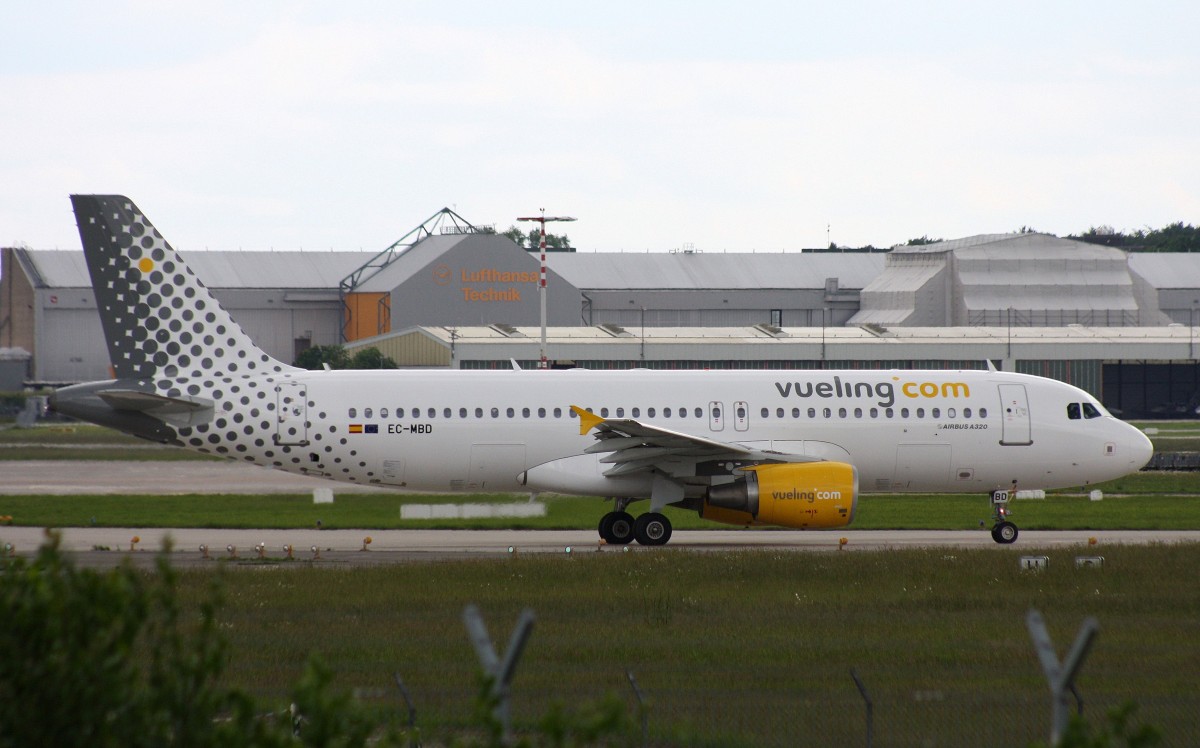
x,y
1003,531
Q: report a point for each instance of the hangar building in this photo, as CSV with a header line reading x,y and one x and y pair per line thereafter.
x,y
435,300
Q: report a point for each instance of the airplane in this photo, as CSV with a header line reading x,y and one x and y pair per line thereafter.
x,y
784,448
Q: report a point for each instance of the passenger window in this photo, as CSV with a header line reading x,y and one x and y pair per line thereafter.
x,y
795,412
636,413
524,412
462,412
1073,411
765,413
353,412
432,412
858,412
936,412
966,412
479,412
604,412
510,412
741,413
950,412
683,412
383,412
827,413
812,412
649,412
399,413
779,412
666,412
1090,411
367,412
699,412
983,412
558,412
874,412
620,412
920,412
495,412
841,412
446,412
541,412
889,412
904,412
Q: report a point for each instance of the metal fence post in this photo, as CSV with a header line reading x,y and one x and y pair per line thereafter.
x,y
412,712
862,689
1061,677
642,711
500,671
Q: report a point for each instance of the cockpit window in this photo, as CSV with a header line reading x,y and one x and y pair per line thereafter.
x,y
1091,411
1073,411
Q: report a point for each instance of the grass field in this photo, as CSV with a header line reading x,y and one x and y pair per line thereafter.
x,y
1140,511
743,649
732,649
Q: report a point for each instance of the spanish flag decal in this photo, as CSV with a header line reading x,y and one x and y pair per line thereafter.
x,y
356,428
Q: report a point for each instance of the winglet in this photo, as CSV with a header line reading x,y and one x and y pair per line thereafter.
x,y
587,421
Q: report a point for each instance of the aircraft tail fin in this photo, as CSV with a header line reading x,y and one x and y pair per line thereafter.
x,y
159,319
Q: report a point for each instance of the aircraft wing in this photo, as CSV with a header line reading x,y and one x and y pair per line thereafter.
x,y
637,446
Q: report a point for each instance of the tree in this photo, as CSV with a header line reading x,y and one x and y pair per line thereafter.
x,y
1174,237
531,241
371,358
922,240
317,356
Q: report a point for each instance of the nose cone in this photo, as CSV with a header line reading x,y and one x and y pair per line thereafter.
x,y
1140,449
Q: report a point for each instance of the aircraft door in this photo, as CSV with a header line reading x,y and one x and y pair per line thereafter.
x,y
1014,409
741,415
291,414
716,416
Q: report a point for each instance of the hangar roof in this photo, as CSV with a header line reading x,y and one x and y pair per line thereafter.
x,y
690,271
1167,269
1074,342
321,270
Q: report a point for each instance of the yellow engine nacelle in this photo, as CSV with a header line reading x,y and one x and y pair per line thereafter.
x,y
803,495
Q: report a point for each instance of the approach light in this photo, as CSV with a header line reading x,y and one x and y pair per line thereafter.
x,y
568,550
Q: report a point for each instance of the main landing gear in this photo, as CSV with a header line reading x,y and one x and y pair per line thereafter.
x,y
620,528
1003,532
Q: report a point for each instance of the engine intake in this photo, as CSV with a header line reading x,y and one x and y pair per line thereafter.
x,y
801,495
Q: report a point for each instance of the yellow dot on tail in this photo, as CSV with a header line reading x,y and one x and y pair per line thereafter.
x,y
146,265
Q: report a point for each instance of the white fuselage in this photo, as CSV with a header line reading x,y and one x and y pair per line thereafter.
x,y
936,431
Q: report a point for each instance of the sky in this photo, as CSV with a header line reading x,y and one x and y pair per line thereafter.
x,y
749,126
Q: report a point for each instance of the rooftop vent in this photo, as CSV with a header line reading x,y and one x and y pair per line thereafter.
x,y
507,330
615,330
775,331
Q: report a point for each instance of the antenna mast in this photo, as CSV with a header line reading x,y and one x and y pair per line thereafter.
x,y
543,219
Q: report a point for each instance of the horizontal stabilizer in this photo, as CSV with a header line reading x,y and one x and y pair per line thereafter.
x,y
148,402
173,410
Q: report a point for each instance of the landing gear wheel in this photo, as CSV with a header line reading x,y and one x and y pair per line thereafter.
x,y
652,528
617,528
1005,533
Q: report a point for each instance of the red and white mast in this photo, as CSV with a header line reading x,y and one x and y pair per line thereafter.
x,y
542,219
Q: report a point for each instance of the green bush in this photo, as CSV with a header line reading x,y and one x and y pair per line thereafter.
x,y
111,659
